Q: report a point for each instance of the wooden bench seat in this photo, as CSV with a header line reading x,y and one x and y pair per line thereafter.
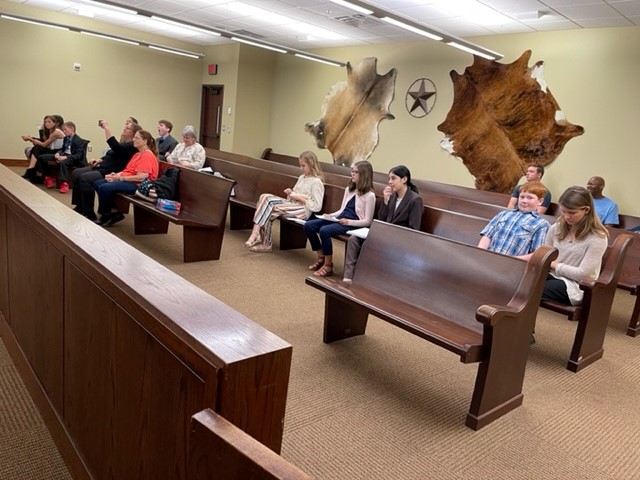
x,y
220,450
629,279
204,200
477,304
593,314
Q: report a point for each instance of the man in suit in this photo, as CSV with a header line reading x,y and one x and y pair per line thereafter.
x,y
72,154
166,143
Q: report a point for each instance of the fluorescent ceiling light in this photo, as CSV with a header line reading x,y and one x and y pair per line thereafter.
x,y
411,28
175,52
320,60
261,45
108,6
109,37
472,51
352,6
183,26
33,22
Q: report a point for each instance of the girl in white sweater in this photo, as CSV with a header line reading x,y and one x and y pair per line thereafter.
x,y
581,240
302,201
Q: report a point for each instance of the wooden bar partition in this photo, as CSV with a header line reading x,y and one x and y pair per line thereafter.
x,y
119,352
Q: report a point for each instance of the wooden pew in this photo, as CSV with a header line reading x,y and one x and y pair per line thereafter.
x,y
629,279
593,314
118,352
477,304
220,450
204,202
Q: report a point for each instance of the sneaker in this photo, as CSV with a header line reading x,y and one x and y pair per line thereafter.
x,y
64,187
113,219
49,182
103,219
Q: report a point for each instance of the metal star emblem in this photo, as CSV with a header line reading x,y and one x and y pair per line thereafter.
x,y
421,97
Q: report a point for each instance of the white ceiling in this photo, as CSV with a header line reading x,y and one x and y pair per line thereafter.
x,y
308,24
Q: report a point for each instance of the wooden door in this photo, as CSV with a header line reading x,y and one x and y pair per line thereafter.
x,y
211,121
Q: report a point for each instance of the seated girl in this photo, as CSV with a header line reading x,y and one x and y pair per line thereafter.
x,y
54,138
143,164
581,240
401,205
356,211
304,199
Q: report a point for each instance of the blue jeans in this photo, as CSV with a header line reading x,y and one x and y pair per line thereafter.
x,y
107,189
325,229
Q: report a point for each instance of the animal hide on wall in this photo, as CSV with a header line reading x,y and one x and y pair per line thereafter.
x,y
351,112
503,118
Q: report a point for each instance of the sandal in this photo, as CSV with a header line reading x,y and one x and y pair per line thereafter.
x,y
325,271
317,264
261,248
252,241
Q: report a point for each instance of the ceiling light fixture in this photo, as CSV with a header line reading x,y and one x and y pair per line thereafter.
x,y
109,6
417,27
176,52
320,60
353,6
33,22
411,28
109,37
258,44
184,25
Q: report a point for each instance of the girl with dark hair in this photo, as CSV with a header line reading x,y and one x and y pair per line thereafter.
x,y
581,240
401,205
356,211
54,138
143,164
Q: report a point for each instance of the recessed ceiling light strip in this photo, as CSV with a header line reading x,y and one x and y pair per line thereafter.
x,y
259,44
34,22
320,60
109,37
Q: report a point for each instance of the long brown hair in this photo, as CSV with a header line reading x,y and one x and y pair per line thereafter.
x,y
579,198
149,140
365,178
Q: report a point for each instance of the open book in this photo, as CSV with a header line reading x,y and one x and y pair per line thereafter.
x,y
359,232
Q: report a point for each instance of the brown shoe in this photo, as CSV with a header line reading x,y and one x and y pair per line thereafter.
x,y
325,271
317,264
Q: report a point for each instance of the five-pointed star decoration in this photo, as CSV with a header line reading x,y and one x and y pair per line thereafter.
x,y
421,99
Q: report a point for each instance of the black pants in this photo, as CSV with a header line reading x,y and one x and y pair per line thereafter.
x,y
83,194
555,290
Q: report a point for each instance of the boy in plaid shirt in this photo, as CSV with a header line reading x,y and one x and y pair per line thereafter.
x,y
520,232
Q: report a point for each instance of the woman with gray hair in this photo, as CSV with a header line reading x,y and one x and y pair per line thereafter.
x,y
189,153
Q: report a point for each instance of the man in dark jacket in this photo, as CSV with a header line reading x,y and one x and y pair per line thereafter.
x,y
114,160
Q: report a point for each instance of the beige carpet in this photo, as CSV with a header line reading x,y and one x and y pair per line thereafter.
x,y
389,405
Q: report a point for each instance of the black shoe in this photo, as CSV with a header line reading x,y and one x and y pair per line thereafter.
x,y
77,209
113,219
37,179
103,219
29,173
91,216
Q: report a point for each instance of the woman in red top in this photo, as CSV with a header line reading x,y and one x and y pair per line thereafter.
x,y
143,164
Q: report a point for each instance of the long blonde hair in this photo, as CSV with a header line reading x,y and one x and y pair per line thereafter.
x,y
579,198
311,159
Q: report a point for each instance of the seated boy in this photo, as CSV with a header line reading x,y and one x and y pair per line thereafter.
x,y
518,232
72,154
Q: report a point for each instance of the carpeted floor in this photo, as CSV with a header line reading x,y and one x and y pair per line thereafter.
x,y
389,405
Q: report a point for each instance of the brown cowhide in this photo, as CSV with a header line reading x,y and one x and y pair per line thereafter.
x,y
503,118
351,112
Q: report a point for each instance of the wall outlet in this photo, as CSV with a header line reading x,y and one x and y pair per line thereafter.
x,y
89,148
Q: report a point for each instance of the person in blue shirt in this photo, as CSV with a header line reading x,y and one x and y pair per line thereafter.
x,y
606,209
518,232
